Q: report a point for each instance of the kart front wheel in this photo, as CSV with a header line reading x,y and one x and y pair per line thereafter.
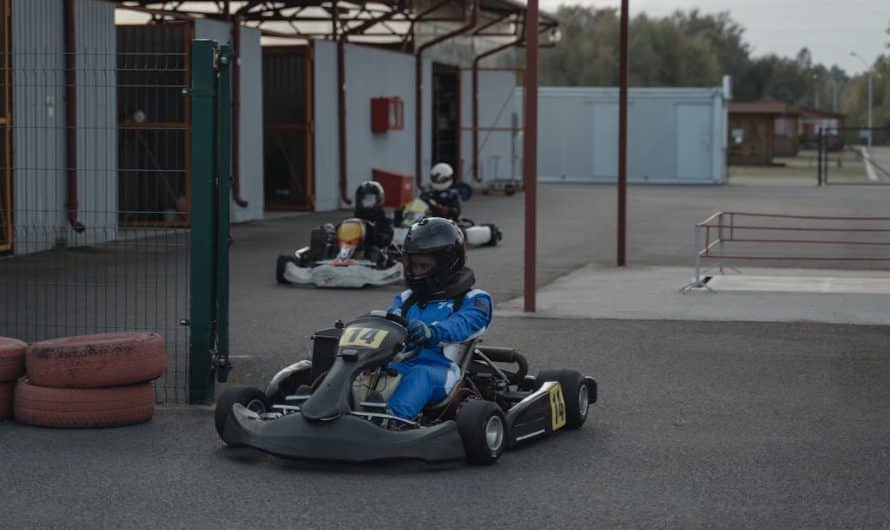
x,y
483,431
251,398
575,392
280,267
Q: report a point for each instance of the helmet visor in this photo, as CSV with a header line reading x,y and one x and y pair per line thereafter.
x,y
369,201
420,265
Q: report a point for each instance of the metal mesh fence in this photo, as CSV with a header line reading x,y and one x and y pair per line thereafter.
x,y
856,156
94,191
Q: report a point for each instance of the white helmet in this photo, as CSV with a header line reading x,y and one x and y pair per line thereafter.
x,y
441,176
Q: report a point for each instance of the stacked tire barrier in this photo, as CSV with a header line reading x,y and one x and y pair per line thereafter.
x,y
88,381
12,366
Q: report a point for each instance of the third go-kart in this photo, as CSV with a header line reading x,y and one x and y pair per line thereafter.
x,y
339,257
333,407
484,235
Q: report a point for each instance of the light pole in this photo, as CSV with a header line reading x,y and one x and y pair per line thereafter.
x,y
868,70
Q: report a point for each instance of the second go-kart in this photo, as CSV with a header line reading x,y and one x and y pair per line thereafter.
x,y
333,407
484,235
339,257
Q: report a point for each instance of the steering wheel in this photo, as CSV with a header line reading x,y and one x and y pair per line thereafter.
x,y
397,318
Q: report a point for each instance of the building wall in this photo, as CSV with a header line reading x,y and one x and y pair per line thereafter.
x,y
326,161
498,150
251,115
757,139
370,73
39,140
96,122
674,135
38,97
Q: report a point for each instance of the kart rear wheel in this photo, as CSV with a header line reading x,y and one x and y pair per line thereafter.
x,y
483,431
251,398
575,392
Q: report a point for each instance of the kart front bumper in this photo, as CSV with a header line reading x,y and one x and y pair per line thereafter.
x,y
326,275
346,439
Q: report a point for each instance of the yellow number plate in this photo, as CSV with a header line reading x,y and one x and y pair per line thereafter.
x,y
363,338
557,407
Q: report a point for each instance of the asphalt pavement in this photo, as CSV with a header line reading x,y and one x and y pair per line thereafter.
x,y
699,424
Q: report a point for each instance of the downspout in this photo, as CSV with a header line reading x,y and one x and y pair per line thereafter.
x,y
71,203
235,23
418,83
341,96
476,62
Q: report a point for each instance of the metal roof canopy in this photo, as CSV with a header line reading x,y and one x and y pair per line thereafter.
x,y
372,22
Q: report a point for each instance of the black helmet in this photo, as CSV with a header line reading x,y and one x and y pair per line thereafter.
x,y
433,253
368,196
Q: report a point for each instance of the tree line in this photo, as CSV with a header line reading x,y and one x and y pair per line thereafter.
x,y
697,49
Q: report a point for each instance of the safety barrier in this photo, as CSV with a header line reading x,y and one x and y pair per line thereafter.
x,y
788,233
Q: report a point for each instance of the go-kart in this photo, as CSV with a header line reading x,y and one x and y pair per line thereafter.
x,y
339,257
485,235
333,407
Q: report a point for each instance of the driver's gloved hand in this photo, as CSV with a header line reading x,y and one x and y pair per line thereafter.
x,y
421,333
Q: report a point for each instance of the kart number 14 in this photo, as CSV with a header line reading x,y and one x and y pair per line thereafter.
x,y
363,337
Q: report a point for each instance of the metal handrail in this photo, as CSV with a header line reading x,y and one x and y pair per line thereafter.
x,y
725,232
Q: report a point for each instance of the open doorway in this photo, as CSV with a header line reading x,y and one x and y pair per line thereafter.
x,y
288,142
446,116
154,124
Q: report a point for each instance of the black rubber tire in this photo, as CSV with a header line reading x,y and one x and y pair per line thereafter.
x,y
495,235
472,419
12,359
83,408
279,269
242,394
97,361
572,384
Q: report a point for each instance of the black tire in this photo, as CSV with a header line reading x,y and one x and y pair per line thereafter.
x,y
248,396
475,418
496,235
573,385
279,269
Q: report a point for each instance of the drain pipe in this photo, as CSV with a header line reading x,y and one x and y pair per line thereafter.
x,y
476,62
341,97
235,23
71,203
473,5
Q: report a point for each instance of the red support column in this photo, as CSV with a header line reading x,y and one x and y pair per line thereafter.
x,y
622,140
530,154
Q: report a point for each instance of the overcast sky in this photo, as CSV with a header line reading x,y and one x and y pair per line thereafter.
x,y
831,29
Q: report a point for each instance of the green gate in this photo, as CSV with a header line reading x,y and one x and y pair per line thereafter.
x,y
211,187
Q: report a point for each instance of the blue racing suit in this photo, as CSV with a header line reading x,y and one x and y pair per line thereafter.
x,y
430,375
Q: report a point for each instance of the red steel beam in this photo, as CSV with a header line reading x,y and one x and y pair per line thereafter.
x,y
71,202
530,155
235,25
418,83
341,97
622,139
476,62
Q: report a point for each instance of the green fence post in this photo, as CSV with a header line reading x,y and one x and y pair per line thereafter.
x,y
224,165
819,157
203,220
